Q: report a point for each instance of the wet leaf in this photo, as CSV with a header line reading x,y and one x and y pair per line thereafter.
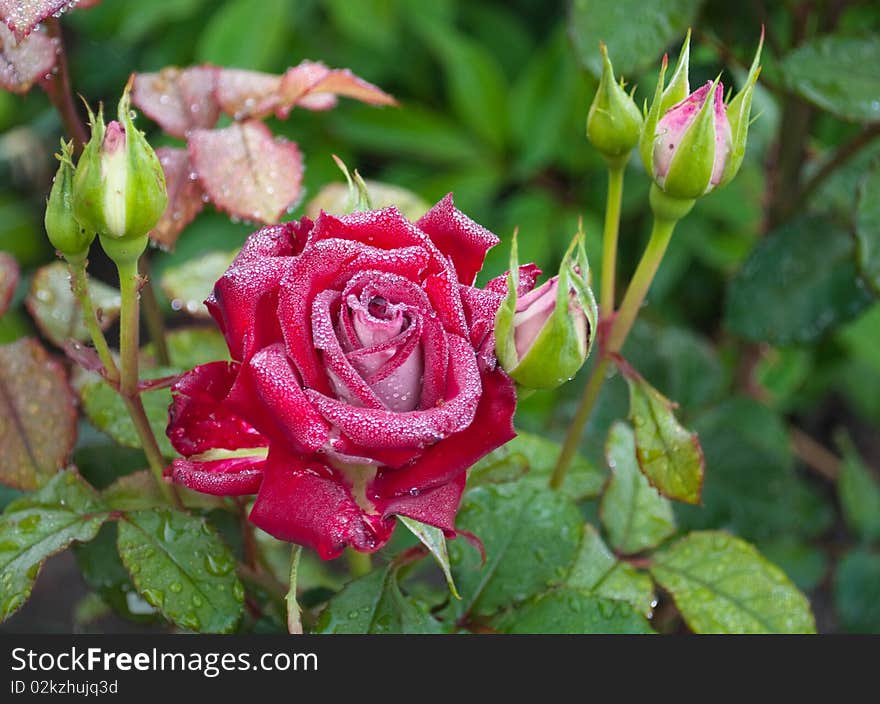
x,y
179,100
798,283
868,229
634,514
375,604
23,64
859,493
56,311
334,198
669,455
190,347
180,566
189,284
530,536
37,415
569,610
837,74
138,490
21,16
8,280
721,584
184,197
633,45
857,591
536,457
597,572
107,412
39,525
246,172
433,539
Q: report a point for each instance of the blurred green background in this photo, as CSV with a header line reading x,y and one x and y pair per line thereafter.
x,y
761,323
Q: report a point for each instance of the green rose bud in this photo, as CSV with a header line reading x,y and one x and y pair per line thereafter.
x,y
119,188
614,121
543,337
65,233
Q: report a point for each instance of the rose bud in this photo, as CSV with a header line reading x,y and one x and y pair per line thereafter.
x,y
542,338
119,188
63,230
614,122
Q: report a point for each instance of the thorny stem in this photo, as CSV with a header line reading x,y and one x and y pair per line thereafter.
x,y
814,454
59,91
609,238
153,314
129,324
359,563
623,322
80,284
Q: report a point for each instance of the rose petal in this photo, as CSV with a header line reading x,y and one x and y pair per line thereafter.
x,y
306,502
178,100
24,63
184,197
491,427
235,476
436,507
246,172
528,275
284,240
458,237
200,418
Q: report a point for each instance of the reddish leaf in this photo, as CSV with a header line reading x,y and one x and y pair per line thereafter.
x,y
21,16
37,415
8,280
244,94
314,86
22,64
184,196
246,172
179,100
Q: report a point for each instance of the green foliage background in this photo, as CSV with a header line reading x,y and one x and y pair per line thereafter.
x,y
763,316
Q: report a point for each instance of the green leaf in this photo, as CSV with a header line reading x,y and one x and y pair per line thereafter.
x,y
433,539
37,526
805,564
751,485
597,572
868,228
57,312
668,455
245,34
106,411
837,74
722,584
375,604
799,282
180,566
569,610
188,285
859,493
536,457
636,31
37,415
857,591
530,536
634,514
475,82
102,569
138,490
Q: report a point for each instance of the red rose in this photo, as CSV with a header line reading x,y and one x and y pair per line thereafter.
x,y
364,379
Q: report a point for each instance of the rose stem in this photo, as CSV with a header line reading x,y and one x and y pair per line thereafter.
x,y
294,616
609,238
129,323
153,314
359,563
79,282
629,309
59,91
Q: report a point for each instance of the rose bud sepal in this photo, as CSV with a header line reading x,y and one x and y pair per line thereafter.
x,y
679,85
543,338
614,121
64,232
119,188
739,116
